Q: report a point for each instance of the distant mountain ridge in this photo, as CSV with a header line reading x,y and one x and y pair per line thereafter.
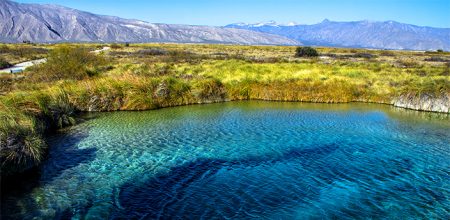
x,y
366,34
53,23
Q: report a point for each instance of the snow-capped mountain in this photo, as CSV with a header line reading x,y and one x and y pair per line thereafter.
x,y
366,34
262,24
53,23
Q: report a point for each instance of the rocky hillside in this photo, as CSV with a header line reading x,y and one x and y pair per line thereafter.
x,y
366,34
52,23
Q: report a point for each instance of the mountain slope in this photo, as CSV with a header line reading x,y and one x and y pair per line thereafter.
x,y
52,23
368,34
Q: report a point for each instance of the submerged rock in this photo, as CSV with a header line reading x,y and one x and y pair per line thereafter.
x,y
424,102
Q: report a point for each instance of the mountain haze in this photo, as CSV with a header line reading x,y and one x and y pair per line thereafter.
x,y
367,34
53,23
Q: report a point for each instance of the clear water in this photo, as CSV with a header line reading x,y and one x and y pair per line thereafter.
x,y
245,160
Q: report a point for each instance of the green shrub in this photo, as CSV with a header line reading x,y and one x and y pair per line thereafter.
x,y
364,55
115,46
436,59
446,71
69,63
306,52
183,56
440,51
60,110
153,52
4,49
4,64
24,51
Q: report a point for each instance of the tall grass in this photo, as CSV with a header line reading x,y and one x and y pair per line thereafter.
x,y
21,142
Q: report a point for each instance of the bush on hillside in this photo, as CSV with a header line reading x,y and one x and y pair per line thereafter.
x,y
69,63
306,52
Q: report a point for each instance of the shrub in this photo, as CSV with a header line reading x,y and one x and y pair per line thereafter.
x,y
164,69
209,89
58,108
184,56
364,55
69,63
440,51
387,53
115,46
153,52
436,59
4,64
408,63
306,52
4,49
446,71
22,52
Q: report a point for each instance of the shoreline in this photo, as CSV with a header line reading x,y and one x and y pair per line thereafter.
x,y
33,167
108,104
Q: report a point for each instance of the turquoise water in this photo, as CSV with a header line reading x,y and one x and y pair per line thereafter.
x,y
244,160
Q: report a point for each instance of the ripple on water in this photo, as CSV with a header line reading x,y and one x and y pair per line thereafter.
x,y
245,160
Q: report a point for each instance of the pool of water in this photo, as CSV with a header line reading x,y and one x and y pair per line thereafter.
x,y
244,160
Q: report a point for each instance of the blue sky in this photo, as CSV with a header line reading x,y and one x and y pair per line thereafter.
x,y
434,13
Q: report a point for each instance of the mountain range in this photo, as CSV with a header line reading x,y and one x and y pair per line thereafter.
x,y
52,23
366,34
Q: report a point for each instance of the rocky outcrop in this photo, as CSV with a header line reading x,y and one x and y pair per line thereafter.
x,y
424,102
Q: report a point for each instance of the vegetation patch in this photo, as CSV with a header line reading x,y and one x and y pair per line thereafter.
x,y
68,63
306,52
4,64
151,76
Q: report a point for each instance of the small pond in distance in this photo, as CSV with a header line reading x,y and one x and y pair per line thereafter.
x,y
244,160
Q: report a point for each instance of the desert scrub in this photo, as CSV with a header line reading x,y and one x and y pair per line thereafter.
x,y
66,62
16,53
306,52
4,63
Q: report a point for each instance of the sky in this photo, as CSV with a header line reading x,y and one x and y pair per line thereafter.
x,y
435,13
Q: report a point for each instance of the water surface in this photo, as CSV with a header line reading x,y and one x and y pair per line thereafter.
x,y
245,160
